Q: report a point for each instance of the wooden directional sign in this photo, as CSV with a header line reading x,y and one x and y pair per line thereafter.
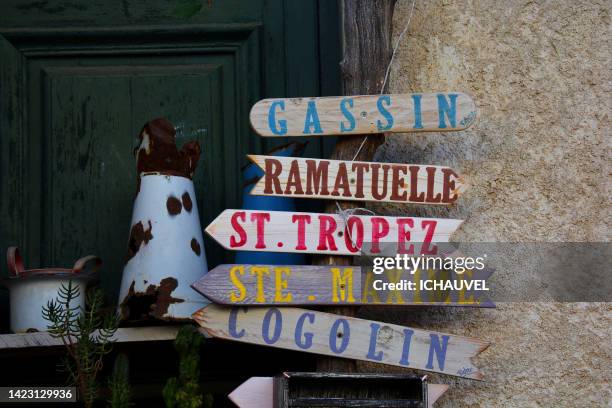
x,y
346,337
337,285
345,115
358,181
258,392
282,231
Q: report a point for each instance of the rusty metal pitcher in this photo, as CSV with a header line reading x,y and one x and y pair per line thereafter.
x,y
165,249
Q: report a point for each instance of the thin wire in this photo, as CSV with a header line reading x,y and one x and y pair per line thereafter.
x,y
384,84
395,47
350,211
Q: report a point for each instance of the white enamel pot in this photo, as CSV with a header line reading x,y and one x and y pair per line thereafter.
x,y
30,290
165,252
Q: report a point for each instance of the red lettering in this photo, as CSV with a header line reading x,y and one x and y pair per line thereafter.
x,y
294,180
361,168
430,227
271,176
414,183
431,175
349,236
342,182
380,229
327,226
397,182
238,228
403,236
316,176
260,219
302,220
375,168
448,186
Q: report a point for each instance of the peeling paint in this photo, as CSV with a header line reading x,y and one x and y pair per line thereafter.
x,y
158,153
138,236
153,303
173,205
195,246
187,203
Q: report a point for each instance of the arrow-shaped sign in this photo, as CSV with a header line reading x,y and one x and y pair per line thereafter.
x,y
282,231
257,392
356,181
287,285
346,337
346,115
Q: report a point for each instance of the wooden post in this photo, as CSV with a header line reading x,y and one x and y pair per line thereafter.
x,y
366,34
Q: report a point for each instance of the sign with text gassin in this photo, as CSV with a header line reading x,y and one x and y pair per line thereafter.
x,y
346,337
358,181
281,231
346,115
286,285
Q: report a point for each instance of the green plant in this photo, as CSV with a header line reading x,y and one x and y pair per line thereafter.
x,y
86,335
184,391
119,383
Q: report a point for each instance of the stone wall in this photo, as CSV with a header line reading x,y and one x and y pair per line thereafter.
x,y
538,163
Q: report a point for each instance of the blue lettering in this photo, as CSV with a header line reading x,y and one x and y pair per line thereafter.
x,y
372,354
233,316
383,111
406,349
312,119
278,325
272,119
334,334
450,111
299,326
418,118
439,350
347,114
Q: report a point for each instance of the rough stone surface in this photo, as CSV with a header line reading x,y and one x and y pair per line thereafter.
x,y
537,160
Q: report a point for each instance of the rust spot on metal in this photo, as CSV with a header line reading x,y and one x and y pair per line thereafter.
x,y
195,246
173,205
153,303
158,152
138,236
187,203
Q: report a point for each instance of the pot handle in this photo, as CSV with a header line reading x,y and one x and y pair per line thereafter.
x,y
80,264
14,260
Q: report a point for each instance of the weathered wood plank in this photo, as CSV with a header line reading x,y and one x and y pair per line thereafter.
x,y
281,231
361,114
357,181
257,392
333,285
123,335
345,337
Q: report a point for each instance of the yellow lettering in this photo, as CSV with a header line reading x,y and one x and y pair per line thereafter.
x,y
342,284
241,293
368,289
281,284
260,271
394,276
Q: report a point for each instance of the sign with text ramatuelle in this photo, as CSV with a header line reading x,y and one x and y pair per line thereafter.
x,y
358,181
346,337
281,231
346,115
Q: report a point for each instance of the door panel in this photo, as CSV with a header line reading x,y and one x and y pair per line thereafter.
x,y
78,81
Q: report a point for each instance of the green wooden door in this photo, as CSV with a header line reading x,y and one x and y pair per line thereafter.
x,y
79,79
